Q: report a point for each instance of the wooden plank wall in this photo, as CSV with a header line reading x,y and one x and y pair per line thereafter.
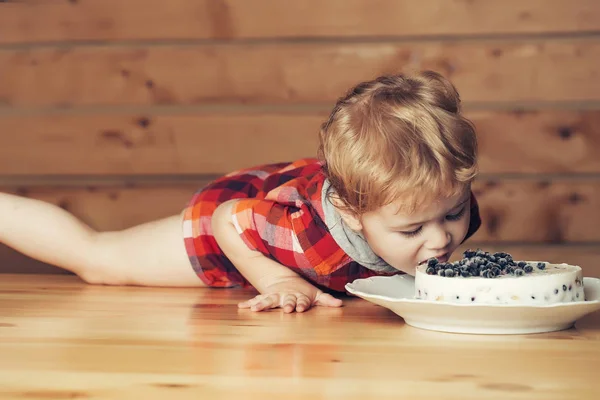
x,y
118,110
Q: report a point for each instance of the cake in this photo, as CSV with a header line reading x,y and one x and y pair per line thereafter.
x,y
484,278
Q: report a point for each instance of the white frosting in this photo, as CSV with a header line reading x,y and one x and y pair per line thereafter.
x,y
557,283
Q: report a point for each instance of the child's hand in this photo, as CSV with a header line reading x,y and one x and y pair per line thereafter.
x,y
291,294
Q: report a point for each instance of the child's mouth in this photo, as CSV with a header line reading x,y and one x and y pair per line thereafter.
x,y
441,258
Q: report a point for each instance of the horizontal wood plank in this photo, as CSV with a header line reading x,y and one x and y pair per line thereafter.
x,y
294,73
54,20
61,339
543,141
513,210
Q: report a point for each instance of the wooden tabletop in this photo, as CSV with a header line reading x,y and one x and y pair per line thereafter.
x,y
60,338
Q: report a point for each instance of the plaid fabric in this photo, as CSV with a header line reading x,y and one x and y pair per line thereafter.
x,y
280,215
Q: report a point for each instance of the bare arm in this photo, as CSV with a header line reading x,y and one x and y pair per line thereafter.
x,y
279,285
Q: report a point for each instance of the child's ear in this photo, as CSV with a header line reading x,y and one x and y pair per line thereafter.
x,y
350,219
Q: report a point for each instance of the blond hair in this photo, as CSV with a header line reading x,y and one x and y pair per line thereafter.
x,y
398,137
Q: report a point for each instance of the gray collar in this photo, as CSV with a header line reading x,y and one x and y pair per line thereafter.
x,y
353,243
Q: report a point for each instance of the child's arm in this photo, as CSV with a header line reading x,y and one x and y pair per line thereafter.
x,y
279,286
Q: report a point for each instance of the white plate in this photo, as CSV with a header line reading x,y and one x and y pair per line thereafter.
x,y
397,294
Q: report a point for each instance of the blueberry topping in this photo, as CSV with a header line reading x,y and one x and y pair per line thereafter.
x,y
519,272
430,271
521,264
449,272
541,265
528,269
468,254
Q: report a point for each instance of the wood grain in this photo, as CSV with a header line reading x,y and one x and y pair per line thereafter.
x,y
513,210
530,70
63,339
216,143
49,21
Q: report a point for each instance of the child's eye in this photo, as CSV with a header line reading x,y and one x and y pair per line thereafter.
x,y
457,216
412,233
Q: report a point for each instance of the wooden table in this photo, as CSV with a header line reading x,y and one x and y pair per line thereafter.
x,y
60,338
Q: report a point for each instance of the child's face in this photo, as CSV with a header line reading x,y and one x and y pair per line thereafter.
x,y
405,240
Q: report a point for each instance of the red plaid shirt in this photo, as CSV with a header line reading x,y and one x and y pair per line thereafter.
x,y
280,214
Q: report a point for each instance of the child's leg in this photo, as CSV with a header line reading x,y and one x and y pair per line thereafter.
x,y
152,254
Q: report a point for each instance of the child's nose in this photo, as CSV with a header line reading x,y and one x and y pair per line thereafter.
x,y
439,239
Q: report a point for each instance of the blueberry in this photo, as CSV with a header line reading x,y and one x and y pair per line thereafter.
x,y
432,262
502,262
430,271
468,253
519,272
528,269
492,259
465,274
440,272
449,272
541,265
521,264
495,271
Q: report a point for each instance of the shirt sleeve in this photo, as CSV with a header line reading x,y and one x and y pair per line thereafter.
x,y
291,235
268,227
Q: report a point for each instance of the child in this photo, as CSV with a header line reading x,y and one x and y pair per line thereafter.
x,y
390,189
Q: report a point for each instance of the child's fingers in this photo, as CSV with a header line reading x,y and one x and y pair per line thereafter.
x,y
327,300
268,301
253,302
288,302
302,303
